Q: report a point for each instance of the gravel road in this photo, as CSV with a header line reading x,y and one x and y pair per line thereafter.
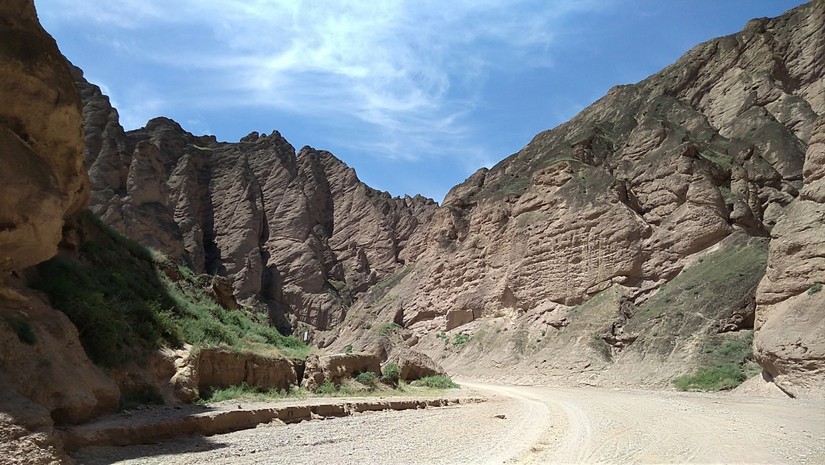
x,y
540,425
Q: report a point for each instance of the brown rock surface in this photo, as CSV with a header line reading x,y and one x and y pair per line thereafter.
x,y
297,234
414,364
335,368
49,367
42,177
633,191
198,371
790,314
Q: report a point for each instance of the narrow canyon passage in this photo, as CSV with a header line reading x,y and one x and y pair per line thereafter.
x,y
540,425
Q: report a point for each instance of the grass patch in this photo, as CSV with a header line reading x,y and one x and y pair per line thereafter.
x,y
389,328
726,366
816,287
436,382
121,302
245,392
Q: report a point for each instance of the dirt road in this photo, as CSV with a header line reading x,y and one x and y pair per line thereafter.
x,y
540,425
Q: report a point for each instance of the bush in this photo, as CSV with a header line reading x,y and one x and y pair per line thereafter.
x,y
121,302
367,378
388,328
436,382
460,339
391,374
815,288
718,378
326,388
728,365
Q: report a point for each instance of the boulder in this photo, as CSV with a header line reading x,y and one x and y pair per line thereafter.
x,y
414,364
336,367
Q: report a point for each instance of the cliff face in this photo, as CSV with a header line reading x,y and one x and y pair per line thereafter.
x,y
652,184
44,374
42,178
620,247
298,234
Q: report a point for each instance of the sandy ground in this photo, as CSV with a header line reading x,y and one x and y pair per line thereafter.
x,y
540,425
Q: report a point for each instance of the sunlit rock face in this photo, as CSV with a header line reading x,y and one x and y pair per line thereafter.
x,y
298,234
43,181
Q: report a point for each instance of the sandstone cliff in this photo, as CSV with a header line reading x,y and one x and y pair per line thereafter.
x,y
298,234
44,374
672,180
42,179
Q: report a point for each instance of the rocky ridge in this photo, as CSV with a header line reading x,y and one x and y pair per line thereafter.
x,y
298,234
675,181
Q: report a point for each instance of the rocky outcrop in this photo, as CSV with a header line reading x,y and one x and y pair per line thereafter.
x,y
43,181
628,195
222,368
335,368
297,234
790,316
42,359
413,364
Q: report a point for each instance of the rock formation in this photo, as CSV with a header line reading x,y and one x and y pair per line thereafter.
x,y
790,318
299,235
635,191
43,181
619,247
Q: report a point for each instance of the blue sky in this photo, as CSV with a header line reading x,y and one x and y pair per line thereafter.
x,y
415,95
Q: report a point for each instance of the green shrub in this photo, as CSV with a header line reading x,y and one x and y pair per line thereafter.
x,y
443,336
244,391
348,349
816,287
388,328
391,374
121,302
436,382
367,378
326,388
718,378
727,366
460,338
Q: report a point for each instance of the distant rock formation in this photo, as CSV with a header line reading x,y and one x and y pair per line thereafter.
x,y
299,235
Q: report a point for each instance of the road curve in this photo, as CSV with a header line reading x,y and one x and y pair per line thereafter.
x,y
589,425
522,424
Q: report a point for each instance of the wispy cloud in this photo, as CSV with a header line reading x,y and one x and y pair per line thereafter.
x,y
409,71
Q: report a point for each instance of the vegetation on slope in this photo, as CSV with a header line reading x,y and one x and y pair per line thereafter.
x,y
121,299
727,365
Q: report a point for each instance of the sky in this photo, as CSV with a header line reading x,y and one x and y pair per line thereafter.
x,y
415,95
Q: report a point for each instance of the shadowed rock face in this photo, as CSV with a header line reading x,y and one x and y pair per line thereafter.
x,y
298,234
42,177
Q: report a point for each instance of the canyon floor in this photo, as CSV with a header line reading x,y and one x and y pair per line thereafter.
x,y
539,425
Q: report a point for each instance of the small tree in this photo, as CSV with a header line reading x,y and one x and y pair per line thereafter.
x,y
390,374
